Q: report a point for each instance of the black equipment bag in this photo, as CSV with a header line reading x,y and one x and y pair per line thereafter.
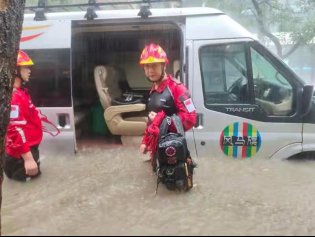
x,y
174,170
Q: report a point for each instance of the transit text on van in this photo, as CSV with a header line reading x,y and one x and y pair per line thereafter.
x,y
245,110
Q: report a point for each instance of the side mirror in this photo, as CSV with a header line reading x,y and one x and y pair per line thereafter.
x,y
307,97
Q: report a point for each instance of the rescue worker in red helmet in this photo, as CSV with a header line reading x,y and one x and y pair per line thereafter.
x,y
24,132
167,96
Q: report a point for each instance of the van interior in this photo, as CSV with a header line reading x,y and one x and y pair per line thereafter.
x,y
108,85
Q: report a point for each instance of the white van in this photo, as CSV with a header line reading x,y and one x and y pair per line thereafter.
x,y
249,103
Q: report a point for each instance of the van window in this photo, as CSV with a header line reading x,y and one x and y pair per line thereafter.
x,y
224,74
273,92
50,84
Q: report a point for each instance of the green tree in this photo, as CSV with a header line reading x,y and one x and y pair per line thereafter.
x,y
296,18
11,18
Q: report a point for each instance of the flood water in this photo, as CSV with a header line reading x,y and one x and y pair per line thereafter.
x,y
112,192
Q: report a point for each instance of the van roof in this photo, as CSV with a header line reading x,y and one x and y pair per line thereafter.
x,y
130,13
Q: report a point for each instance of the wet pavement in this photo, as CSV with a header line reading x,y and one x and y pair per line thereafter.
x,y
112,192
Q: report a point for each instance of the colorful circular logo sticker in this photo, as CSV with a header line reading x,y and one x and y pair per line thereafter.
x,y
240,140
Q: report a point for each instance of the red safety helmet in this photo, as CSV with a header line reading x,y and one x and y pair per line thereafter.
x,y
153,53
23,59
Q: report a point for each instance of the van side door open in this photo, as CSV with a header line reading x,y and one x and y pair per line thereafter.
x,y
247,101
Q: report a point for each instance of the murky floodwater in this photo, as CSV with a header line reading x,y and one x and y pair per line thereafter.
x,y
112,192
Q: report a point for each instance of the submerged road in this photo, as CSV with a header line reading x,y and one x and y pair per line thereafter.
x,y
112,192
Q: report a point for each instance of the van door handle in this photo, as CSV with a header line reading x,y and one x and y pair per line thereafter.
x,y
199,122
63,121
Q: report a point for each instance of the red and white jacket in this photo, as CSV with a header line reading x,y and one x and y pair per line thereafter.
x,y
183,105
25,127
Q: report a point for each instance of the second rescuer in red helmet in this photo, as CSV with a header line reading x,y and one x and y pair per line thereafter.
x,y
24,132
167,96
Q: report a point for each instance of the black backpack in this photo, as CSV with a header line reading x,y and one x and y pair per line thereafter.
x,y
172,155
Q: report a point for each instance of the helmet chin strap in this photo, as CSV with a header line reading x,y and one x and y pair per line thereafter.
x,y
24,83
18,74
163,73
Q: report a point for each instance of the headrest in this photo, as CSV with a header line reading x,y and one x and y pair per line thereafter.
x,y
100,74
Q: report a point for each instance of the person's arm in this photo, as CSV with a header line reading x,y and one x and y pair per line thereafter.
x,y
30,164
16,133
149,140
143,146
185,107
16,137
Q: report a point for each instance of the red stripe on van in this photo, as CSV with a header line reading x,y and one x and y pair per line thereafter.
x,y
27,38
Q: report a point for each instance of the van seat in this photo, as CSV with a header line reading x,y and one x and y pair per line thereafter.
x,y
123,116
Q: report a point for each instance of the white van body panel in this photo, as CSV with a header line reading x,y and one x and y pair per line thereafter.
x,y
50,34
274,136
308,137
287,151
214,27
65,141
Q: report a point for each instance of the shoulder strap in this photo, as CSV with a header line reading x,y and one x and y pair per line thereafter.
x,y
167,122
164,125
178,124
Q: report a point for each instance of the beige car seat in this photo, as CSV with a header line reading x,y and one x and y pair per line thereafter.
x,y
127,118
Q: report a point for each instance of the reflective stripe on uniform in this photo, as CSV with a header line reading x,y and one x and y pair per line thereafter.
x,y
21,132
22,122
